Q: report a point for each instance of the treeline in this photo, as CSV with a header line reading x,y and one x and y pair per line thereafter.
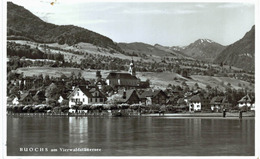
x,y
14,49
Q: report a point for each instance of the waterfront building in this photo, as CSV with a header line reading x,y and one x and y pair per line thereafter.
x,y
194,103
129,96
153,97
26,98
218,103
13,100
245,101
86,95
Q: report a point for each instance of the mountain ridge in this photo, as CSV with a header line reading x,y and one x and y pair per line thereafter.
x,y
241,53
203,49
21,22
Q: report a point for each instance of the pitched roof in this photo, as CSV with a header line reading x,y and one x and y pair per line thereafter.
x,y
88,92
195,98
245,99
217,99
23,96
115,75
128,94
181,101
151,93
11,98
64,96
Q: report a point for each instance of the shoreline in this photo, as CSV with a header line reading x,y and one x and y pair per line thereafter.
x,y
177,115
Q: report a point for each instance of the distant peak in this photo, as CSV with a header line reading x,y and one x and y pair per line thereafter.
x,y
205,40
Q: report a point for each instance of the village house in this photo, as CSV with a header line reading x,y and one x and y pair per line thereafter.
x,y
153,97
13,100
26,98
218,103
39,96
194,103
86,95
129,96
245,101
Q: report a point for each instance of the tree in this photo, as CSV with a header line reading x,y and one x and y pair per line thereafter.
x,y
183,83
107,88
14,90
208,87
47,80
65,102
52,102
10,76
63,76
79,75
115,99
52,92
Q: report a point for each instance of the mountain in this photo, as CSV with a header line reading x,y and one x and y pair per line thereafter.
x,y
149,50
203,49
21,23
241,53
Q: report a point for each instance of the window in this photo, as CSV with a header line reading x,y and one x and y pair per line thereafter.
x,y
96,100
77,93
83,99
101,99
90,99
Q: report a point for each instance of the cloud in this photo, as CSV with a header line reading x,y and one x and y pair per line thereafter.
x,y
200,5
235,5
185,11
144,11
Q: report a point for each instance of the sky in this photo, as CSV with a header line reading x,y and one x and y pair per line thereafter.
x,y
164,23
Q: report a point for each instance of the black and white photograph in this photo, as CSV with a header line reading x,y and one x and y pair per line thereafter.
x,y
129,78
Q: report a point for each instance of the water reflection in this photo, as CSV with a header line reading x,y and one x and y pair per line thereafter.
x,y
133,136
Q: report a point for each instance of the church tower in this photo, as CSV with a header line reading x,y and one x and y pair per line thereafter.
x,y
132,68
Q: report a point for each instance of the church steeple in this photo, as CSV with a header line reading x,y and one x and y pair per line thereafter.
x,y
132,68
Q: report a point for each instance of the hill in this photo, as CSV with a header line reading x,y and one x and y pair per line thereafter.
x,y
203,49
158,79
22,24
149,50
241,53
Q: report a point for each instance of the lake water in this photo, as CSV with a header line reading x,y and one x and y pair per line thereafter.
x,y
130,136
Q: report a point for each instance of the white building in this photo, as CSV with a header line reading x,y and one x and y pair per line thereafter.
x,y
194,103
245,101
13,100
86,95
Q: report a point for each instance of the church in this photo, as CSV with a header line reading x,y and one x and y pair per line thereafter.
x,y
124,80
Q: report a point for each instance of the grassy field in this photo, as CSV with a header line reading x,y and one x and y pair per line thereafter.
x,y
158,79
81,47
